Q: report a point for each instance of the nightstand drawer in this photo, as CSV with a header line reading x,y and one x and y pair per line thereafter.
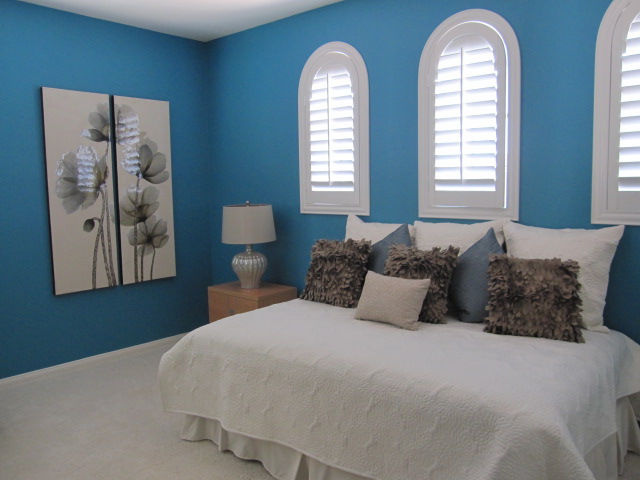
x,y
228,298
222,305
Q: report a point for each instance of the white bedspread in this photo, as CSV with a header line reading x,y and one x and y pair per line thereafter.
x,y
446,402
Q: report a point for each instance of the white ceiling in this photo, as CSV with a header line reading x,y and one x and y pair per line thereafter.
x,y
201,20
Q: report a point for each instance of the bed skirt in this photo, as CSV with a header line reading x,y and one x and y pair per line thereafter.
x,y
606,460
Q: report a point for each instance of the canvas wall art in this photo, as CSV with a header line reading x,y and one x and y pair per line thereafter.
x,y
143,159
80,185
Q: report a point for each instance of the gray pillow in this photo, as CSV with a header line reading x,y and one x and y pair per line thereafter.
x,y
470,281
534,298
380,250
393,300
336,272
436,264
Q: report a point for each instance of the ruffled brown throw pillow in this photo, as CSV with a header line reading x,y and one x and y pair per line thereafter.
x,y
534,298
436,264
337,271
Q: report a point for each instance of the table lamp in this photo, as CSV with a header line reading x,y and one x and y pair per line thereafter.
x,y
248,224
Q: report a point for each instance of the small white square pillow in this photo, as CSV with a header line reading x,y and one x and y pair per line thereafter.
x,y
592,249
393,300
431,235
356,229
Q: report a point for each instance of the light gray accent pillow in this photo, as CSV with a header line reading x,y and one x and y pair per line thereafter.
x,y
393,300
469,284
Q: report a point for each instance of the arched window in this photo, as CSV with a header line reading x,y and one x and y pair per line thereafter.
x,y
333,129
616,127
469,119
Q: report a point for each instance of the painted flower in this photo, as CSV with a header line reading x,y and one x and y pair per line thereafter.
x,y
151,234
152,163
81,176
128,136
136,206
100,121
127,126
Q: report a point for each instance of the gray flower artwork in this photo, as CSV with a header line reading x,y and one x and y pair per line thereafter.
x,y
144,185
80,185
83,208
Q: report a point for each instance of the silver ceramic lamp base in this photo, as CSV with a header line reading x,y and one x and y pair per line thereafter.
x,y
249,267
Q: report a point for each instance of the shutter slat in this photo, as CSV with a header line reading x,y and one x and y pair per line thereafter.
x,y
630,170
631,77
629,139
629,184
465,185
633,44
634,30
630,93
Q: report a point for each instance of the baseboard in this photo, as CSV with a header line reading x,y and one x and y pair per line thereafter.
x,y
30,376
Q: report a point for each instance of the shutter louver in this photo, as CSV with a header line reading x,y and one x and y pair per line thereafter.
x,y
466,109
331,131
629,146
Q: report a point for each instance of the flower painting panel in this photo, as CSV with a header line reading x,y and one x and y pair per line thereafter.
x,y
143,155
80,189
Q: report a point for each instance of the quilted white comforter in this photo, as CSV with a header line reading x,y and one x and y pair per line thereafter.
x,y
445,402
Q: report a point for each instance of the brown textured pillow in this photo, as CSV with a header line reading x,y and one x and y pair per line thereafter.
x,y
437,264
534,298
336,273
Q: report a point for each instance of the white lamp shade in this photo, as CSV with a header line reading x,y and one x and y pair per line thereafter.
x,y
247,224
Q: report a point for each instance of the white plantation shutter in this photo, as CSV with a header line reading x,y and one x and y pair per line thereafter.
x,y
629,146
466,107
333,128
616,149
469,91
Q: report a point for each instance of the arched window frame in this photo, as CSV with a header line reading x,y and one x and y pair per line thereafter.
x,y
332,202
503,39
608,204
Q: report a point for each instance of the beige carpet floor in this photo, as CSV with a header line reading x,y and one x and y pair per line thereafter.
x,y
103,420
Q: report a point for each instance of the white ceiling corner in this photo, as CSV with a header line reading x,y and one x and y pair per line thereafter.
x,y
201,20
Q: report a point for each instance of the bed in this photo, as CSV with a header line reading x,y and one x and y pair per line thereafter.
x,y
314,393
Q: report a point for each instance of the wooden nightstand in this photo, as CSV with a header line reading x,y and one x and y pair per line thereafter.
x,y
228,299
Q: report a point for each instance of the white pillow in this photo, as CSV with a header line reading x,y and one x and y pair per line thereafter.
x,y
592,249
430,235
393,300
357,230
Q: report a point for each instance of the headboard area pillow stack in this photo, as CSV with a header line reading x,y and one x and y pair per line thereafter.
x,y
593,250
549,283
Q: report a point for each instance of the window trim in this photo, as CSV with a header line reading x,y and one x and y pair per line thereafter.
x,y
611,36
310,202
428,61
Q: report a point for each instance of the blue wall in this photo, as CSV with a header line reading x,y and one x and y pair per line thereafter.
x,y
253,120
46,47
